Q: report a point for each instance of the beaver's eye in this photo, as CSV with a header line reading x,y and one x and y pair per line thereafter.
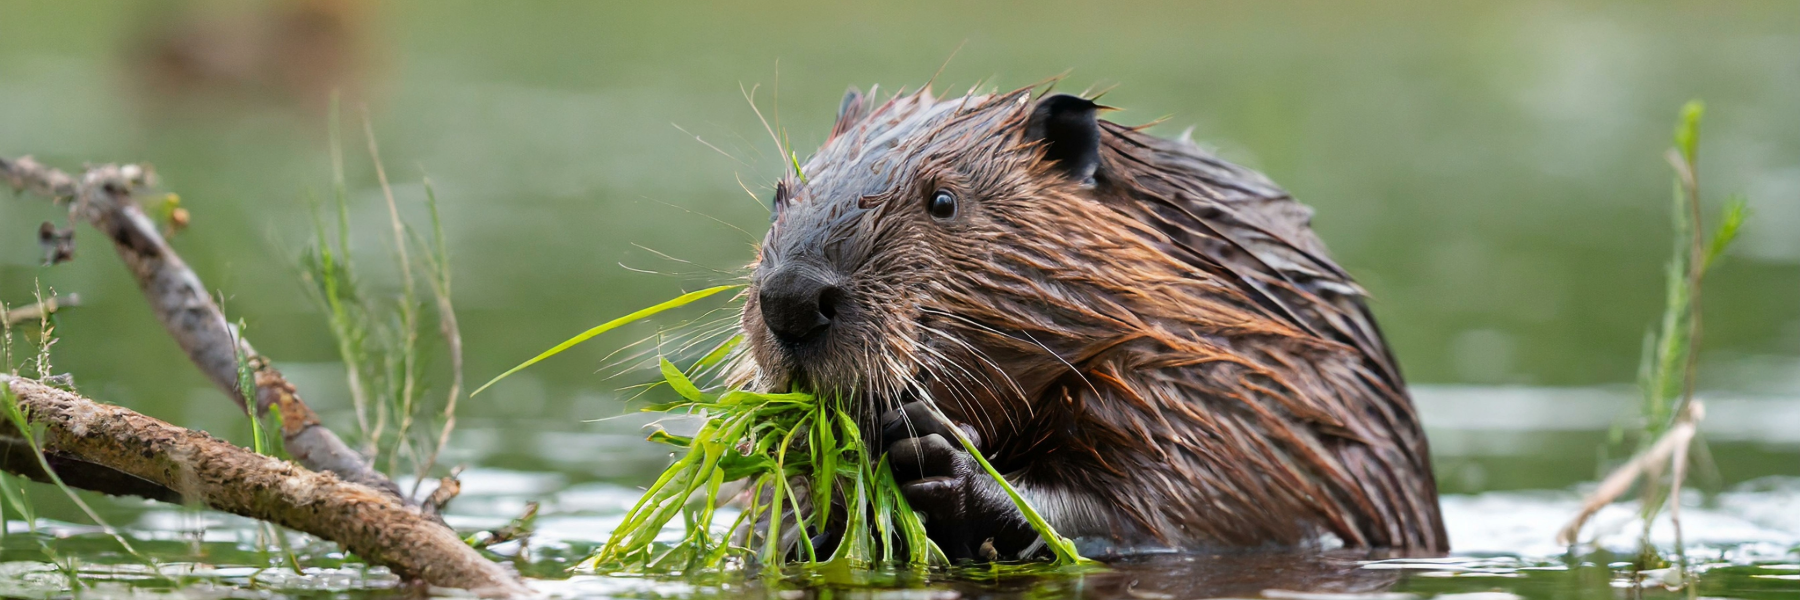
x,y
942,206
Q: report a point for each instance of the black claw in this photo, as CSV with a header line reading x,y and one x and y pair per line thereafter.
x,y
922,457
914,419
941,480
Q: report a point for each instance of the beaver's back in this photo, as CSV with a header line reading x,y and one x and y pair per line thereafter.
x,y
1348,424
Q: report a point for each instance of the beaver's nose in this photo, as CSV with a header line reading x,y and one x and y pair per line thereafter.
x,y
796,306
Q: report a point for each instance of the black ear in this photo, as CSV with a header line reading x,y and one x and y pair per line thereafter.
x,y
1069,128
850,110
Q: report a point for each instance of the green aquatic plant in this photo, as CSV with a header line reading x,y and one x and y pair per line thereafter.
x,y
378,338
799,464
764,442
1667,373
1669,417
1668,370
16,417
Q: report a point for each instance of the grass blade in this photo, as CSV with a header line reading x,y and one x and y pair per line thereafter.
x,y
679,301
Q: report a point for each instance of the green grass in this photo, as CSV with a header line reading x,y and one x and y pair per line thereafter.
x,y
379,334
15,496
765,441
676,302
755,446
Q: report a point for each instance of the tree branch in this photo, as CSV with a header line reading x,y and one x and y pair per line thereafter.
x,y
375,525
102,198
17,457
36,312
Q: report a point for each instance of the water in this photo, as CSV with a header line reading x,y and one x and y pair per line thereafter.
x,y
1741,542
1490,172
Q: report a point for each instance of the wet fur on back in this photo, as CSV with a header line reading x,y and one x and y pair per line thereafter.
x,y
1154,347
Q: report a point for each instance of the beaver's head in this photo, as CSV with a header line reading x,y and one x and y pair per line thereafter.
x,y
919,250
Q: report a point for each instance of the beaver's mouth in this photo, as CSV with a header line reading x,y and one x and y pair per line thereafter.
x,y
865,402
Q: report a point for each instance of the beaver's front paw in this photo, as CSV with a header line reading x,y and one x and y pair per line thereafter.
x,y
965,511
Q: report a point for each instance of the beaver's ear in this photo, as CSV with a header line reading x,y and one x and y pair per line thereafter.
x,y
1069,128
849,111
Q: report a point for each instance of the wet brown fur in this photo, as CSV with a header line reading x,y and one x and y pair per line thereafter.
x,y
1171,339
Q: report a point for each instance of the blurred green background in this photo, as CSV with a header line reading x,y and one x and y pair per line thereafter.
x,y
1491,172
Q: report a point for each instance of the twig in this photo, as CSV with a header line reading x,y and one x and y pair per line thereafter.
x,y
102,197
1673,443
409,329
198,467
519,528
36,311
438,259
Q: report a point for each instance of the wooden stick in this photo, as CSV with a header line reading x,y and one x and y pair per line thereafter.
x,y
102,198
35,312
200,468
18,457
1673,443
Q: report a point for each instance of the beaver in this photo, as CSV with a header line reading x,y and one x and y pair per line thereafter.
x,y
1148,341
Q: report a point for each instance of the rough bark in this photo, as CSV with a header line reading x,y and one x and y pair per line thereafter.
x,y
102,197
17,457
200,468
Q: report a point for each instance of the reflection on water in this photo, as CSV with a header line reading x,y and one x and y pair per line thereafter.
x,y
1743,543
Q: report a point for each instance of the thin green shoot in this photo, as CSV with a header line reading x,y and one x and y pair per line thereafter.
x,y
12,490
1061,547
1667,375
1731,220
6,341
677,302
437,257
46,337
405,359
332,273
272,421
259,439
378,337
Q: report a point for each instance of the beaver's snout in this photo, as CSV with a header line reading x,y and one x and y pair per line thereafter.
x,y
798,307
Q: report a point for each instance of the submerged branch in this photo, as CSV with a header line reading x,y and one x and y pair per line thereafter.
x,y
102,197
94,438
19,458
1672,446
